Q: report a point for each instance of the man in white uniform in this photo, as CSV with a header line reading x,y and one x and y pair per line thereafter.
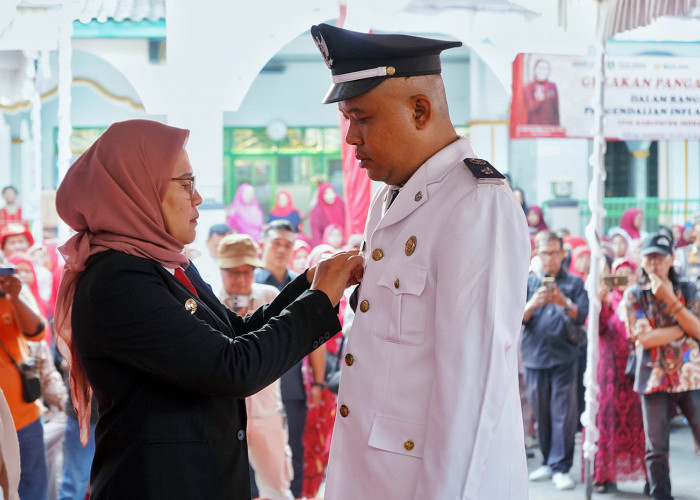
x,y
268,449
428,406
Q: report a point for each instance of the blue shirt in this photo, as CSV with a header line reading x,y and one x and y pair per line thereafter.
x,y
264,276
544,343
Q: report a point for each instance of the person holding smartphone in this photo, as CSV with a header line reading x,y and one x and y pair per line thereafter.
x,y
20,322
268,449
663,319
620,454
556,302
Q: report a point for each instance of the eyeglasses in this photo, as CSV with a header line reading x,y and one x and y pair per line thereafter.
x,y
189,179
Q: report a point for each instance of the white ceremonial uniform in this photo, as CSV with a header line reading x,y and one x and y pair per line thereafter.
x,y
429,406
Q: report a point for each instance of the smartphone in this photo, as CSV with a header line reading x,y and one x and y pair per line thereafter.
x,y
7,270
548,282
612,280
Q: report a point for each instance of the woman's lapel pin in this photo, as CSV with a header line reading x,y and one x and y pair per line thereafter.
x,y
191,305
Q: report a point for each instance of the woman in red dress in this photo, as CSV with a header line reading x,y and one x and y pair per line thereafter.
x,y
620,455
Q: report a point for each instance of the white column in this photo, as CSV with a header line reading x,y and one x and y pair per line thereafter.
x,y
5,153
640,154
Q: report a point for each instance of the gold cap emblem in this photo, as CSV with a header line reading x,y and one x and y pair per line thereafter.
x,y
191,305
411,245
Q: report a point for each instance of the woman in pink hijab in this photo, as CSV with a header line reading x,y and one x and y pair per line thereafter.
x,y
329,209
170,366
631,223
244,214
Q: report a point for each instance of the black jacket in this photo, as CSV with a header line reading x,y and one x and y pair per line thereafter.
x,y
170,384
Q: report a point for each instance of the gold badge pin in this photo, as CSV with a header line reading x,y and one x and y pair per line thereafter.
x,y
419,196
411,245
191,305
486,170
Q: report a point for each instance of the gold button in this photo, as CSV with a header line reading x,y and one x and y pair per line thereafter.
x,y
411,245
396,283
409,445
390,70
349,359
344,412
364,306
377,254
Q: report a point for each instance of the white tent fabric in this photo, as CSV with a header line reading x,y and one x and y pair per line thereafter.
x,y
624,15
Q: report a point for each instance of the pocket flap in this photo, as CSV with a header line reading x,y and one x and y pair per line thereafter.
x,y
404,279
397,436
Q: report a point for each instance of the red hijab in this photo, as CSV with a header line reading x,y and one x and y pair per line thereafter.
x,y
541,225
282,212
575,254
111,196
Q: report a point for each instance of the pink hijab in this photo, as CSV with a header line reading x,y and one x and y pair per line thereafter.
x,y
324,214
111,196
246,218
627,222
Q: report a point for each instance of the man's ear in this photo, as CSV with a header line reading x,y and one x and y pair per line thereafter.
x,y
422,110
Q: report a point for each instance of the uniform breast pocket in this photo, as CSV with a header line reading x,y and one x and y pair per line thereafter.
x,y
407,308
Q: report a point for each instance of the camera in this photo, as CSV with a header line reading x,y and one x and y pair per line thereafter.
x,y
612,280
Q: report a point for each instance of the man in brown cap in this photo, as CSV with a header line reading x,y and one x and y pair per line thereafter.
x,y
268,451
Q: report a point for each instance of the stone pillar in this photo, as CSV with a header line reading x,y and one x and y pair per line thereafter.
x,y
640,153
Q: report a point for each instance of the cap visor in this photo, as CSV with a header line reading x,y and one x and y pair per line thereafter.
x,y
348,90
647,251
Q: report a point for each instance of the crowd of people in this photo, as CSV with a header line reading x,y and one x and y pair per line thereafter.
x,y
648,347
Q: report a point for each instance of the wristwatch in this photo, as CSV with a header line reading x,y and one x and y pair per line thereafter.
x,y
569,304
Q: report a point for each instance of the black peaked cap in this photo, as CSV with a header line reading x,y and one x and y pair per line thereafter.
x,y
361,61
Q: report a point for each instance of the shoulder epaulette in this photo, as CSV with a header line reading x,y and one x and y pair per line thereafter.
x,y
484,172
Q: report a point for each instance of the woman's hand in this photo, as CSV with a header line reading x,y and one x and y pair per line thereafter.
x,y
334,274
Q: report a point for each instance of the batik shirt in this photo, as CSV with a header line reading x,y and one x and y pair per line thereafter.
x,y
672,367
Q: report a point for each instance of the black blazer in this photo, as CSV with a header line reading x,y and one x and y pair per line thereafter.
x,y
170,384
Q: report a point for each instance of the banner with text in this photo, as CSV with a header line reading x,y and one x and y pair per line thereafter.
x,y
646,98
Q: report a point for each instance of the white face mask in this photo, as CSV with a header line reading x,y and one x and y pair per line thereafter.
x,y
248,195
